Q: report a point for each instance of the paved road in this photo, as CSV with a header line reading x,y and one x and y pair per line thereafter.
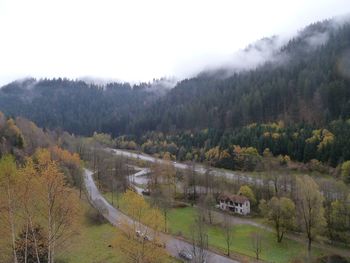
x,y
199,168
243,178
115,216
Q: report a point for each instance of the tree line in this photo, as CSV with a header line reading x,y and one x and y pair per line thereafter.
x,y
308,91
246,148
291,203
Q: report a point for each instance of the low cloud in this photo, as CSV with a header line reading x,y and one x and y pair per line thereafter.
x,y
271,49
318,39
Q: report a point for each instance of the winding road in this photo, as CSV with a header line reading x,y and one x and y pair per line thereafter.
x,y
198,168
201,169
115,217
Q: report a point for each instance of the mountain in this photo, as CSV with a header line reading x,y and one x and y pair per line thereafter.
x,y
304,83
76,106
307,80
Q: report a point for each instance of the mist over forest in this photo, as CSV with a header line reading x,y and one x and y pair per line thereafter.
x,y
174,131
302,83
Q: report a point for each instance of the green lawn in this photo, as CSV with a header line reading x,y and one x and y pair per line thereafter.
x,y
181,221
91,244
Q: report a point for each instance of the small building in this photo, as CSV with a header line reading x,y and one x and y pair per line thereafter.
x,y
235,203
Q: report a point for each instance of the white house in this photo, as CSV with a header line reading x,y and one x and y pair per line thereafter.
x,y
235,203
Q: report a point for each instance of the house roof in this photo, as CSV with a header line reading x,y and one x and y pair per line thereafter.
x,y
234,198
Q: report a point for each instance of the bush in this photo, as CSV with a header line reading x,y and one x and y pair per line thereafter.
x,y
332,259
345,172
31,245
94,217
180,205
315,165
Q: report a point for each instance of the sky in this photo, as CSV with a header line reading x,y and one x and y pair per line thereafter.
x,y
140,40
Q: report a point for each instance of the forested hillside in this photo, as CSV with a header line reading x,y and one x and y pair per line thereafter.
x,y
305,86
76,106
308,82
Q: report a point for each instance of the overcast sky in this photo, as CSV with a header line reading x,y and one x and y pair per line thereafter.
x,y
140,40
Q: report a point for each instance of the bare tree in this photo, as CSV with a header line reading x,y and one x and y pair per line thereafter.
x,y
271,167
120,175
208,180
199,239
163,199
162,187
206,204
192,182
257,243
228,231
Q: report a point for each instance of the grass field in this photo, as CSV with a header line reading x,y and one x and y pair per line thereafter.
x,y
181,222
91,243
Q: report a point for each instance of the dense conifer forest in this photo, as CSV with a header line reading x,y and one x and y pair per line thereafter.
x,y
296,104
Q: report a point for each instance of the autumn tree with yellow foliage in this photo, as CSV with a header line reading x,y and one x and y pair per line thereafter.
x,y
70,164
141,240
310,208
35,196
9,201
57,201
162,186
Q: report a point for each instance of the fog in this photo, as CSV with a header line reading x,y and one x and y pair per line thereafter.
x,y
142,40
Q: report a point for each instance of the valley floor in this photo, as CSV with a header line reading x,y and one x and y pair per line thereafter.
x,y
181,222
93,241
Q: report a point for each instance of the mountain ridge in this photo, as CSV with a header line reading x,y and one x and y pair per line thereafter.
x,y
305,87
